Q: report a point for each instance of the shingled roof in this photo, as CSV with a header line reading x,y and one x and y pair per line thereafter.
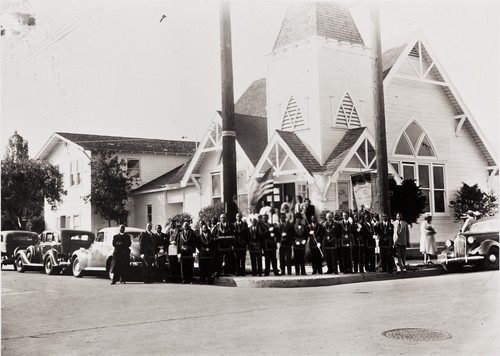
x,y
390,57
253,102
172,177
300,151
331,20
129,144
342,149
251,133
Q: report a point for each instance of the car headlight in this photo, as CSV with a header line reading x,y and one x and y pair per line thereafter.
x,y
470,240
448,243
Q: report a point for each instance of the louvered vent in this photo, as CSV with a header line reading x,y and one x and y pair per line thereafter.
x,y
347,115
293,118
415,52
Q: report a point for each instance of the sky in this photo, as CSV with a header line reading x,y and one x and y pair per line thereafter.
x,y
112,67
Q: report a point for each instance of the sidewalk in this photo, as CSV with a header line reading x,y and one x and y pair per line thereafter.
x,y
415,270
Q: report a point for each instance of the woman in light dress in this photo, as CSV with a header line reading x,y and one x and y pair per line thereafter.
x,y
427,238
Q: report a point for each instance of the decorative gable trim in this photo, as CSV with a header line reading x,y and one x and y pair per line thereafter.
x,y
414,142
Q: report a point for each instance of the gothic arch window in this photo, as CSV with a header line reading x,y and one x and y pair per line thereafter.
x,y
420,165
347,114
414,142
293,119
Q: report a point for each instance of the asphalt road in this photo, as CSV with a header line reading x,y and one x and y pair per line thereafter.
x,y
63,315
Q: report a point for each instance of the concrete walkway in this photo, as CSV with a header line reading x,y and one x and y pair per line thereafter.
x,y
415,270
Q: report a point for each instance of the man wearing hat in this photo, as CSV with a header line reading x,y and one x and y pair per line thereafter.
x,y
300,235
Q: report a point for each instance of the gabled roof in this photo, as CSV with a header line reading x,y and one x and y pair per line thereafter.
x,y
118,143
343,148
331,20
171,178
300,151
253,102
396,56
251,133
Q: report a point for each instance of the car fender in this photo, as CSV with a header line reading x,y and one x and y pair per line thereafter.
x,y
22,254
52,254
484,247
83,255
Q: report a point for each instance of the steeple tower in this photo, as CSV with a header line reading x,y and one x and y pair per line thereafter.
x,y
319,76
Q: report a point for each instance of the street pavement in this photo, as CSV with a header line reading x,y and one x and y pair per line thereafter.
x,y
63,315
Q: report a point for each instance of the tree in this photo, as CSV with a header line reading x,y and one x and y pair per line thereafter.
x,y
180,218
473,198
406,199
212,211
110,187
25,184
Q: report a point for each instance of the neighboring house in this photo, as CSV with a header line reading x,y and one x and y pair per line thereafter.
x,y
71,153
320,118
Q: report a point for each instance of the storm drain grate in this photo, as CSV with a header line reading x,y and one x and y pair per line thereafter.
x,y
416,334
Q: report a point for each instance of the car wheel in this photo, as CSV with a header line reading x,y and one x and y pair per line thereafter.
x,y
49,267
490,261
21,268
452,268
77,268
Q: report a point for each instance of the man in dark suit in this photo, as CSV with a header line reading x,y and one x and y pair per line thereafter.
x,y
255,248
121,256
316,235
345,231
284,237
205,248
173,251
300,235
224,236
267,234
331,244
240,229
161,243
187,247
385,233
368,232
148,250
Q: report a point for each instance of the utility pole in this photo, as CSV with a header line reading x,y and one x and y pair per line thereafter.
x,y
379,114
228,132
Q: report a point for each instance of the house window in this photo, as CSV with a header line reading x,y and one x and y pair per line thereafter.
x,y
76,221
216,187
293,119
64,221
301,189
347,115
75,172
133,168
150,213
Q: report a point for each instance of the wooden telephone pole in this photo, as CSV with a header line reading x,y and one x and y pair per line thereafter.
x,y
228,132
379,114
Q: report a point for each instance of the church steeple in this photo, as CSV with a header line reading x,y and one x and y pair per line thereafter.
x,y
330,20
17,149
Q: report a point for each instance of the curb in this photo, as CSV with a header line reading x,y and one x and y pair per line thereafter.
x,y
321,280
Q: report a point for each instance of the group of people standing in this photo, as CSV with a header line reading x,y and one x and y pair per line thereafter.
x,y
347,242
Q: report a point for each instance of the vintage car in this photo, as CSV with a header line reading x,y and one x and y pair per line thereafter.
x,y
99,255
477,246
53,250
14,240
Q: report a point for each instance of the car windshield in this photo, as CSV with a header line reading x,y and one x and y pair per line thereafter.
x,y
485,226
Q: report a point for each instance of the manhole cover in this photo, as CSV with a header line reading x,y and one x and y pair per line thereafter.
x,y
416,334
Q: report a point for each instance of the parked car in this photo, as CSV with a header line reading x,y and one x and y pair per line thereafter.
x,y
14,240
98,256
476,246
53,250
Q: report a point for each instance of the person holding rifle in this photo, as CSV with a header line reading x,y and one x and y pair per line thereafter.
x,y
300,235
316,235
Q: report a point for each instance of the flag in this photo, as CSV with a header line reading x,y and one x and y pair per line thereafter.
x,y
264,186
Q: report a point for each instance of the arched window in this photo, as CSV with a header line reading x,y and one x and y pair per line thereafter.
x,y
414,142
421,166
347,115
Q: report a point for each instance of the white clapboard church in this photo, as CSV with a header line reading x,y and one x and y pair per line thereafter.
x,y
308,126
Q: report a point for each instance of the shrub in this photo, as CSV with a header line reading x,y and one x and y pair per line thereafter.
x,y
471,197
